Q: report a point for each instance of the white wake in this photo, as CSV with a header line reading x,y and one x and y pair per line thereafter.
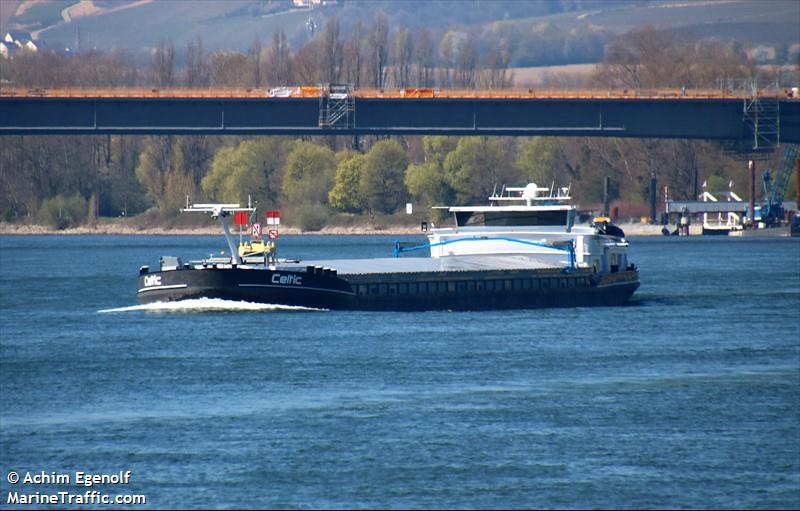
x,y
209,305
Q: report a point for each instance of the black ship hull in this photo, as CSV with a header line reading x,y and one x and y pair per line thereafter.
x,y
445,290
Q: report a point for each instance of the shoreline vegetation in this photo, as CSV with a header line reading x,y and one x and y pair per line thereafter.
x,y
118,228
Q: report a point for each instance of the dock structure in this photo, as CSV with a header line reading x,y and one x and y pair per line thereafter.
x,y
683,207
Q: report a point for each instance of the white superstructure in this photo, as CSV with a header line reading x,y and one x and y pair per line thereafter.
x,y
532,221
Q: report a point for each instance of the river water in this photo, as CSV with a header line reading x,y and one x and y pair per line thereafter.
x,y
687,398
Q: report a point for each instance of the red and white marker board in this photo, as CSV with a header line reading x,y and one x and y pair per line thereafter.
x,y
273,218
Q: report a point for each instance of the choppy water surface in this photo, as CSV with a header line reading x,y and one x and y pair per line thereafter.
x,y
689,397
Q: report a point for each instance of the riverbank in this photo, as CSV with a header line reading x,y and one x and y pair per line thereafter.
x,y
114,228
120,229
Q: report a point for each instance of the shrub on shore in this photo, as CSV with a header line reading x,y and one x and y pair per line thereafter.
x,y
61,212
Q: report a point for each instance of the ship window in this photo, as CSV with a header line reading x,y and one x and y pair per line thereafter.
x,y
479,285
373,289
382,289
392,289
462,286
362,289
402,289
451,287
517,284
526,283
423,287
511,218
413,288
509,285
471,285
562,283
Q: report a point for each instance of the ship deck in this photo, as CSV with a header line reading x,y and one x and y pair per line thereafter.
x,y
424,264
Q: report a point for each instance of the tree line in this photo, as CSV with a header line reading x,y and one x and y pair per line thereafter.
x,y
370,55
65,181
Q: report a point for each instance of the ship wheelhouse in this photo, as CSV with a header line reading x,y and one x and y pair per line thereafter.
x,y
532,221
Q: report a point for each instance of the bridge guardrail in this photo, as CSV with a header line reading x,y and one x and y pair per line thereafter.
x,y
307,92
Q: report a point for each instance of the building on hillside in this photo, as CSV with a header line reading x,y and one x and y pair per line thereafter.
x,y
18,41
8,50
17,37
310,4
15,41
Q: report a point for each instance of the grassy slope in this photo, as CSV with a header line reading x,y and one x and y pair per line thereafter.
x,y
222,25
179,20
756,21
43,14
684,13
7,10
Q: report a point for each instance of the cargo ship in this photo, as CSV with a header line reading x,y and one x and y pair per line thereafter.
x,y
522,250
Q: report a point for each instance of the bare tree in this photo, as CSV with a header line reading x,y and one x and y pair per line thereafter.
x,y
331,51
446,53
279,60
255,59
379,50
353,55
497,76
648,57
305,65
228,69
403,50
196,69
164,64
423,56
466,62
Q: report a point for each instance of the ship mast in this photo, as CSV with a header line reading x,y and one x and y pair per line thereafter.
x,y
220,211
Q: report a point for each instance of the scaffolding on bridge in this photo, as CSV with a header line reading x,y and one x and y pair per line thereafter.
x,y
337,106
760,115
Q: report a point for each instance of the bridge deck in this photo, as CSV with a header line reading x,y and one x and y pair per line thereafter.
x,y
314,92
695,114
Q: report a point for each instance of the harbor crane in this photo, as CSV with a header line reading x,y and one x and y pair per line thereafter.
x,y
772,211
